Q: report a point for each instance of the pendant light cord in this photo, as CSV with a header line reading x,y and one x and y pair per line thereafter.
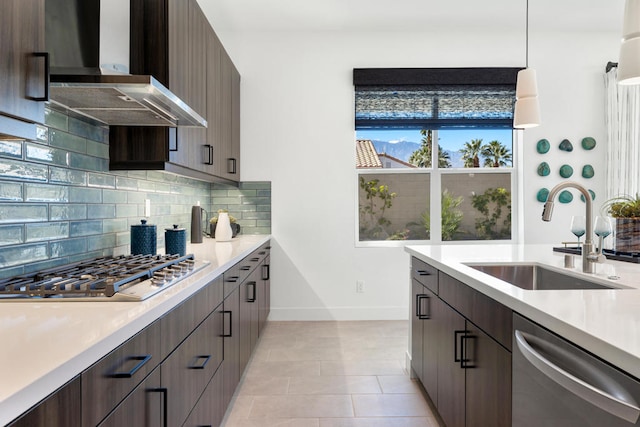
x,y
527,36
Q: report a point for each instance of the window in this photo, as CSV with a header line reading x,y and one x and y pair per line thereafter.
x,y
399,166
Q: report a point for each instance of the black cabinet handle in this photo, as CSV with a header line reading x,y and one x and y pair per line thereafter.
x,y
465,359
232,279
423,273
165,401
230,324
255,259
205,360
142,360
231,166
245,268
455,346
253,293
419,299
266,272
262,252
209,154
47,74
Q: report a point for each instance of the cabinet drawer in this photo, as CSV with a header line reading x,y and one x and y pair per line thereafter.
x,y
425,274
181,321
489,315
142,408
187,371
239,272
106,383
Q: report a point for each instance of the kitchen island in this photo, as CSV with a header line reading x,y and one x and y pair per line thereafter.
x,y
46,344
606,322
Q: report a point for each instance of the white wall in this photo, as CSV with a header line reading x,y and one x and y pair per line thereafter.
x,y
297,131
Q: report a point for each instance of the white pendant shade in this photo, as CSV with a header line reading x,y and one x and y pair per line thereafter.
x,y
527,109
629,62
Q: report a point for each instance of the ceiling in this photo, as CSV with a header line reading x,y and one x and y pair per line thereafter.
x,y
412,15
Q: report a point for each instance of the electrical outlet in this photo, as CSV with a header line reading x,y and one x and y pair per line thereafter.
x,y
360,286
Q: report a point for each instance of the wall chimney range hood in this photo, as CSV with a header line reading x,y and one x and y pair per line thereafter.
x,y
88,42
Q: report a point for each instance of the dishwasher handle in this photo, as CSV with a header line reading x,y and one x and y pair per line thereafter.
x,y
599,398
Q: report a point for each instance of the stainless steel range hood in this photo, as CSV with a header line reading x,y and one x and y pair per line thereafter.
x,y
89,47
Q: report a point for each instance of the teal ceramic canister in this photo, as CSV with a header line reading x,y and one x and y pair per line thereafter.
x,y
175,240
143,239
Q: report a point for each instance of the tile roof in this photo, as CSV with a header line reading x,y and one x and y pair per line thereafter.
x,y
397,160
366,155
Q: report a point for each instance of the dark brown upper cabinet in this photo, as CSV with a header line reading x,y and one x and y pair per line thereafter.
x,y
173,41
24,64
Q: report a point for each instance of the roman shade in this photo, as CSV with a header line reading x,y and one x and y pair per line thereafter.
x,y
434,98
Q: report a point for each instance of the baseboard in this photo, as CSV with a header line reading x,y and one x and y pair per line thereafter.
x,y
338,313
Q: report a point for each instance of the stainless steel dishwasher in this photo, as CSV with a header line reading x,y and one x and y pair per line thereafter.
x,y
557,384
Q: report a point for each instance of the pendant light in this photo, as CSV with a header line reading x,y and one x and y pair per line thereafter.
x,y
526,112
629,64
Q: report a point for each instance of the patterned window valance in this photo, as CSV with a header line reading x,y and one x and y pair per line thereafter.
x,y
436,98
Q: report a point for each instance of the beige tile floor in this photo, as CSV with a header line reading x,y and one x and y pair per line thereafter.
x,y
330,374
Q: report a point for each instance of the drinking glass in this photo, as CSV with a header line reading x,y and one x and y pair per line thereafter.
x,y
603,226
578,227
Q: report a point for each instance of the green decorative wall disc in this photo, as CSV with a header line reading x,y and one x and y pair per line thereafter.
x,y
588,143
543,146
566,171
566,145
542,195
587,171
544,169
593,196
565,197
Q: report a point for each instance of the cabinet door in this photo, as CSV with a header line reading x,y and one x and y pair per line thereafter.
x,y
488,380
143,407
23,73
231,362
60,409
418,293
451,374
186,373
209,410
248,321
226,163
431,310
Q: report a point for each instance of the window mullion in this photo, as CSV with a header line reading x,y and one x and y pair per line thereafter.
x,y
435,192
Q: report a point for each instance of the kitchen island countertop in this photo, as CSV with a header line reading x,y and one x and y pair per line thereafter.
x,y
46,344
605,322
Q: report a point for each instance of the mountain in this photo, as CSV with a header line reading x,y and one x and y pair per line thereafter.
x,y
402,150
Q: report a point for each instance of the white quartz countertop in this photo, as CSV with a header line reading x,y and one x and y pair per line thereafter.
x,y
46,344
604,321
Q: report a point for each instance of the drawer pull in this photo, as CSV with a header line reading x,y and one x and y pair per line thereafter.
x,y
423,273
245,268
142,360
251,298
419,299
232,279
165,401
205,360
255,259
231,166
262,252
224,334
266,272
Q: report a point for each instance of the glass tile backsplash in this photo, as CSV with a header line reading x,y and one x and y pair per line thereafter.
x,y
59,202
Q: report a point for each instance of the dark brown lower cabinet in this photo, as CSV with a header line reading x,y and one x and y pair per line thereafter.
x,y
144,407
465,370
188,370
62,408
209,410
451,373
231,363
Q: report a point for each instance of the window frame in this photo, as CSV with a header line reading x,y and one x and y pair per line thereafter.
x,y
517,199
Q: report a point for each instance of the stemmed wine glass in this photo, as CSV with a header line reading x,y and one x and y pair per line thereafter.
x,y
602,229
578,227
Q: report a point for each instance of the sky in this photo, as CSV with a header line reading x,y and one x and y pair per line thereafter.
x,y
451,140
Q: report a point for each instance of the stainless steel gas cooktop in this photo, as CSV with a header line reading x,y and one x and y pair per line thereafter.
x,y
123,278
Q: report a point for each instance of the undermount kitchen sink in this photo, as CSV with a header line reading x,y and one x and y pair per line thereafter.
x,y
537,277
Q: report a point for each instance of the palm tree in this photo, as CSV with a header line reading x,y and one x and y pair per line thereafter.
x,y
422,156
496,154
471,153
